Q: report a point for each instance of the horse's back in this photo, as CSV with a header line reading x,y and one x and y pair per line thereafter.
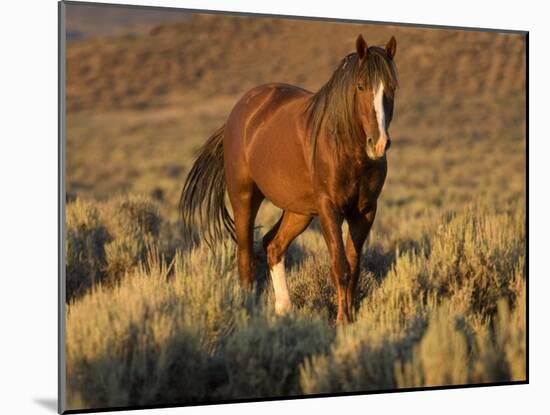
x,y
265,140
260,102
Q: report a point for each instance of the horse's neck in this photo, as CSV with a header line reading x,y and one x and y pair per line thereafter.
x,y
351,151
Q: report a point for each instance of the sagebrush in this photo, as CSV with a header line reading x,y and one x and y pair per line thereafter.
x,y
179,328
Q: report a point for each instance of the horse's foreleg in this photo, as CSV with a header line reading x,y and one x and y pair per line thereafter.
x,y
245,207
359,227
276,242
331,224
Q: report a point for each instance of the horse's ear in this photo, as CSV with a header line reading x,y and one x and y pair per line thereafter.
x,y
361,47
391,47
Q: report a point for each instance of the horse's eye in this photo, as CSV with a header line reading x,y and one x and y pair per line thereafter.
x,y
360,87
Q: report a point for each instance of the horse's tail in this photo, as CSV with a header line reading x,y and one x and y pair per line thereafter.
x,y
202,201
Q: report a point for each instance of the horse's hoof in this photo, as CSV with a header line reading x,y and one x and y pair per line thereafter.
x,y
342,319
282,307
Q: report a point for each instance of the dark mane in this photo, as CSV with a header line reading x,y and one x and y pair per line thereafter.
x,y
333,106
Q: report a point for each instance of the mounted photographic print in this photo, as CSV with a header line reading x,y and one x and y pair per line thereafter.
x,y
261,207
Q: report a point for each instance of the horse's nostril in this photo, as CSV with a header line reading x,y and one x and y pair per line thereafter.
x,y
388,144
370,141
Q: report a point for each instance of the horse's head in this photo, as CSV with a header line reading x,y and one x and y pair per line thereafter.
x,y
374,94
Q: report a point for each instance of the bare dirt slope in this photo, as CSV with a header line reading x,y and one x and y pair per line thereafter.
x,y
222,55
84,21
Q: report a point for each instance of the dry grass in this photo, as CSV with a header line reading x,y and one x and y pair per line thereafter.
x,y
441,298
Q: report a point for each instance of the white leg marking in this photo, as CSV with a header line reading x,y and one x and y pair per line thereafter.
x,y
379,109
282,298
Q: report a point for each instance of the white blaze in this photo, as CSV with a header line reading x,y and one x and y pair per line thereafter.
x,y
282,298
379,109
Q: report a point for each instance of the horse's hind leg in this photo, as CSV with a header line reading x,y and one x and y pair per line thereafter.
x,y
276,242
245,205
268,237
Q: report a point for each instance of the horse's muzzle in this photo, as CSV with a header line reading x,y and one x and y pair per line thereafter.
x,y
379,150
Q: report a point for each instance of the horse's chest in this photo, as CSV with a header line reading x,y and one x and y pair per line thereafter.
x,y
363,186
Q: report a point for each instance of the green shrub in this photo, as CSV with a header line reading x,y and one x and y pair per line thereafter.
x,y
263,358
124,253
312,290
214,299
432,316
440,357
106,240
478,250
448,309
134,223
162,364
501,347
362,357
133,215
86,236
152,337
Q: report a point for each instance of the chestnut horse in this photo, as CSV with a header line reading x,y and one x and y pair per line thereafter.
x,y
321,154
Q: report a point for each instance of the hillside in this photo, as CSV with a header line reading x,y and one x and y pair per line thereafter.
x,y
222,55
86,20
139,106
